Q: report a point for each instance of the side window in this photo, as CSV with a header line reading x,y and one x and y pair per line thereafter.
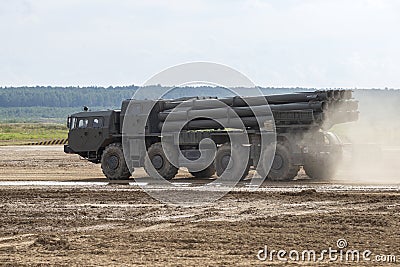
x,y
83,123
97,122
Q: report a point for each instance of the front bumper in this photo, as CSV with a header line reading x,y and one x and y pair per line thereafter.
x,y
68,150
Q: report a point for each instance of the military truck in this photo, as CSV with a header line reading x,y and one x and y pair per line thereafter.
x,y
300,123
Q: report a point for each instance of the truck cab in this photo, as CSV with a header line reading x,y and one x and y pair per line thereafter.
x,y
90,132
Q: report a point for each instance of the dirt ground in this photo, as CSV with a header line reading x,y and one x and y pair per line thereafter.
x,y
59,210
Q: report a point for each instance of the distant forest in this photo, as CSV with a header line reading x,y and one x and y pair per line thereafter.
x,y
18,104
99,96
63,96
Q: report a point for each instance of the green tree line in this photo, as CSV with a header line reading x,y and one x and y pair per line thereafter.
x,y
64,96
111,97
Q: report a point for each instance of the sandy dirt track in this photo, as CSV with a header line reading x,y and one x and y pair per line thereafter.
x,y
107,224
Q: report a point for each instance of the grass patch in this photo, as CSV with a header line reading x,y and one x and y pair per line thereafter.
x,y
18,133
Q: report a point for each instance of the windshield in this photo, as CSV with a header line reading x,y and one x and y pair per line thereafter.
x,y
71,123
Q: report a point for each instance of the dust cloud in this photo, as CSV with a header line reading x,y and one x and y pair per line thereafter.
x,y
372,144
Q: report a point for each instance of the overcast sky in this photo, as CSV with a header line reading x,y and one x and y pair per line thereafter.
x,y
313,43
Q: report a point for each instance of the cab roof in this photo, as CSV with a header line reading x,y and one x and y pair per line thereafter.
x,y
86,114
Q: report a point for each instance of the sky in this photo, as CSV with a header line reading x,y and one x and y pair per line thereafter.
x,y
305,43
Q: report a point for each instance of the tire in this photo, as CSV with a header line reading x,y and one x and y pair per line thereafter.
x,y
322,169
113,163
316,171
223,158
282,168
157,160
206,173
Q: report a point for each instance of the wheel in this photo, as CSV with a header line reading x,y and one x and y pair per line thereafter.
x,y
323,167
282,168
232,162
159,161
113,163
319,171
206,173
